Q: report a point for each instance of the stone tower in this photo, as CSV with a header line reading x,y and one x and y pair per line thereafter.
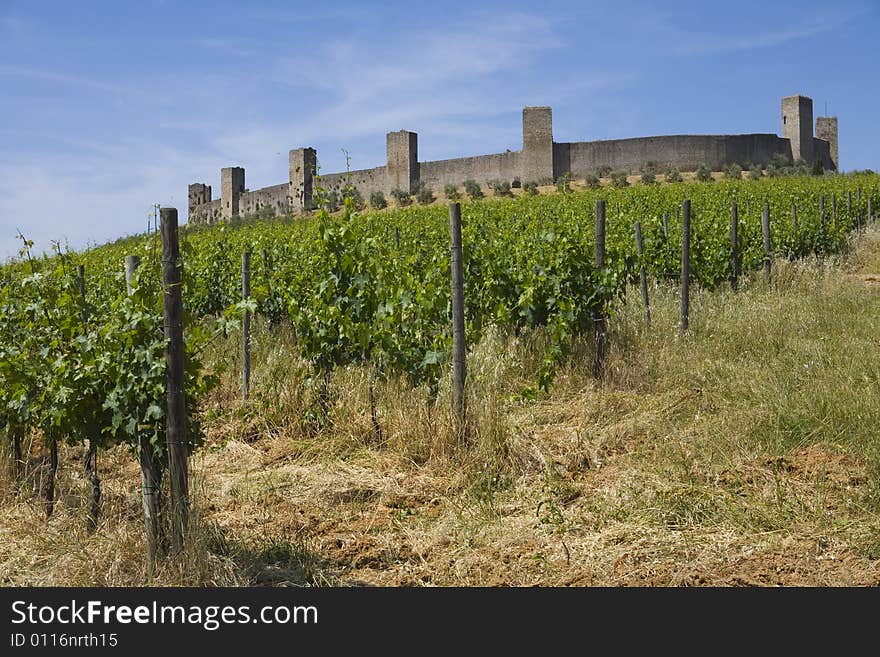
x,y
537,152
231,189
199,194
402,160
826,128
797,126
303,163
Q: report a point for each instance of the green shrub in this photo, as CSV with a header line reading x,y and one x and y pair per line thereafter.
x,y
472,187
563,183
424,195
818,169
648,178
733,171
377,200
799,168
592,181
402,197
603,171
517,183
618,179
331,201
353,193
755,172
780,161
450,191
500,188
704,173
673,175
530,187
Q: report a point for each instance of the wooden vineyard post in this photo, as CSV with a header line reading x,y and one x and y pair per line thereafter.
x,y
175,417
685,265
666,225
459,365
599,320
643,274
90,461
794,218
849,208
246,326
734,246
768,247
151,483
267,271
132,262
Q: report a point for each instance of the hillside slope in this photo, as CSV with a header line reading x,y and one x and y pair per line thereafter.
x,y
746,453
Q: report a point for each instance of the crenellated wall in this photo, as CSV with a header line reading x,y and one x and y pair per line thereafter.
x,y
540,159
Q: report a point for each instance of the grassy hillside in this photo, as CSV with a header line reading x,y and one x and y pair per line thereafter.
x,y
745,453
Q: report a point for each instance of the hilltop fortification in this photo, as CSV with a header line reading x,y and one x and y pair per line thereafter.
x,y
540,160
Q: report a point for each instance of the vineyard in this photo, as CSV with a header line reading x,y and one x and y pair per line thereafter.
x,y
82,352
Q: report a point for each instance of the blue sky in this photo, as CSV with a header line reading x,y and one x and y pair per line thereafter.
x,y
109,107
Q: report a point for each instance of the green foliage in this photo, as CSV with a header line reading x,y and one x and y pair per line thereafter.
x,y
500,188
402,197
619,179
353,193
648,178
377,200
517,183
704,173
424,195
755,172
673,175
818,169
472,188
733,171
563,183
78,368
603,171
450,191
592,181
353,296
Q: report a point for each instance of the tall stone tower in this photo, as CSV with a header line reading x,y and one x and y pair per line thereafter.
x,y
303,163
231,189
402,160
537,152
826,128
797,126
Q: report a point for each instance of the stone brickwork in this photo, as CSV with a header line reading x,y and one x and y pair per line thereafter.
x,y
826,130
303,163
231,189
797,126
537,153
402,155
540,159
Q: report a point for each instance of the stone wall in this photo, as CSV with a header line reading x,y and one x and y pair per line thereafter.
x,y
366,181
482,168
685,152
274,197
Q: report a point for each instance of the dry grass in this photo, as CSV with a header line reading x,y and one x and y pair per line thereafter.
x,y
746,453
